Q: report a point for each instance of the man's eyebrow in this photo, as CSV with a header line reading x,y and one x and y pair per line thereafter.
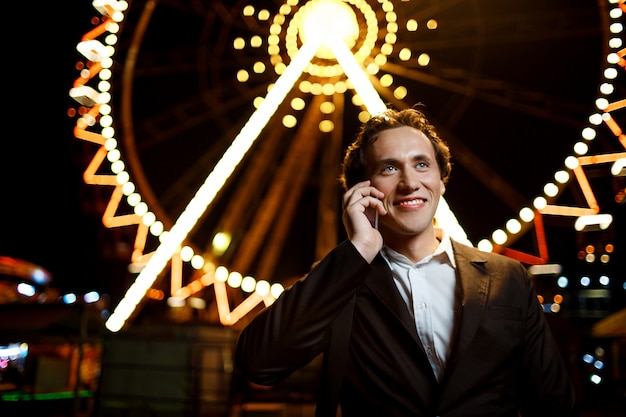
x,y
386,161
394,161
421,157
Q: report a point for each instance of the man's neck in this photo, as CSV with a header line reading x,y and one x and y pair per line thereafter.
x,y
416,247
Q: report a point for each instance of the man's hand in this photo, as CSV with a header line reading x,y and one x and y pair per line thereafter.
x,y
357,201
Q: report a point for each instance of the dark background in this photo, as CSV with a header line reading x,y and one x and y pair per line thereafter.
x,y
51,218
42,212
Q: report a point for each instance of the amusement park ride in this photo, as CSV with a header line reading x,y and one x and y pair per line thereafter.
x,y
218,129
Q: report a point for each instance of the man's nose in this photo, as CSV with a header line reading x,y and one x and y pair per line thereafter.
x,y
409,180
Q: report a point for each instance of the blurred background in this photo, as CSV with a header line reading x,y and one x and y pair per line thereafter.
x,y
152,94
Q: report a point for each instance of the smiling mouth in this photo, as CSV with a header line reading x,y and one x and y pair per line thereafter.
x,y
411,203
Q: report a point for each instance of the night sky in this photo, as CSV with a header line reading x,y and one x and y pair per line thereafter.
x,y
42,220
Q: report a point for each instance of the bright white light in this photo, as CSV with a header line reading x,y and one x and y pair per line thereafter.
x,y
606,88
581,148
357,77
602,103
485,245
25,289
262,288
40,277
334,18
547,269
221,274
85,95
176,302
540,203
156,228
276,289
69,298
91,297
619,167
595,119
93,50
499,236
186,253
248,284
526,214
561,176
571,162
197,261
235,279
141,209
221,242
594,221
513,226
148,219
550,189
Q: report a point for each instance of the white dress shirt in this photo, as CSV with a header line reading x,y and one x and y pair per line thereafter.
x,y
430,291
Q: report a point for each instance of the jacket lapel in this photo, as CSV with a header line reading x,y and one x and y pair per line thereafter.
x,y
474,280
382,285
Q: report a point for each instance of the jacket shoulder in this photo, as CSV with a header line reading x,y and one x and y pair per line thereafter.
x,y
475,255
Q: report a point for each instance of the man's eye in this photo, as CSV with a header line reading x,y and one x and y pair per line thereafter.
x,y
388,168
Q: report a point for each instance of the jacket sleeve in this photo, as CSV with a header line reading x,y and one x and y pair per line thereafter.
x,y
546,387
295,329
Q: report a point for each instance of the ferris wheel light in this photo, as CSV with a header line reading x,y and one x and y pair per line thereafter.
x,y
326,16
593,222
618,168
85,95
357,76
110,8
93,50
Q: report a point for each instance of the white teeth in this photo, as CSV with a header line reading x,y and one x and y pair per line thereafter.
x,y
412,202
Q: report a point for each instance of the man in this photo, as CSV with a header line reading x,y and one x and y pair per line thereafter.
x,y
410,322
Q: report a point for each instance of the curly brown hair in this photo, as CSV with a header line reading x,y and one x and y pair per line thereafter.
x,y
353,167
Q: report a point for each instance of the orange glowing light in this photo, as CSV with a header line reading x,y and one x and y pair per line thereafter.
x,y
586,189
97,31
520,256
176,277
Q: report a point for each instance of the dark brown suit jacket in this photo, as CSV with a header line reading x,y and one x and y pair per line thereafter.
x,y
503,362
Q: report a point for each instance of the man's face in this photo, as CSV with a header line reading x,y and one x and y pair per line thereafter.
x,y
402,165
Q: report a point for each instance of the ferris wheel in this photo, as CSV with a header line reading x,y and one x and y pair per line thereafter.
x,y
219,126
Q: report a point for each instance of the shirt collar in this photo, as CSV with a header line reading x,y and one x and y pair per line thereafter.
x,y
445,247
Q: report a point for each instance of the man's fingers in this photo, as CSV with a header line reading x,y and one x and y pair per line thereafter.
x,y
359,191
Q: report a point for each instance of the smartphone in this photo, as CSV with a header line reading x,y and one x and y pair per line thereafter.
x,y
372,216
